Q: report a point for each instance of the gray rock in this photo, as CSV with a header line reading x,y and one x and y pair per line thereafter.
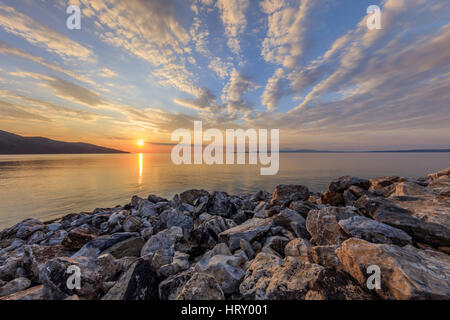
x,y
14,286
147,209
139,282
284,193
130,247
165,239
253,229
131,224
99,244
247,248
220,204
201,286
189,196
373,231
171,287
341,184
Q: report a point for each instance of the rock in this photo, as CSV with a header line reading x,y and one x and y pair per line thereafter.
x,y
27,228
171,218
284,193
171,287
130,247
410,189
155,199
93,271
323,225
437,175
36,237
9,267
139,282
407,273
189,196
247,248
131,224
147,209
332,198
298,248
165,239
384,186
180,262
75,240
373,231
99,244
258,275
55,226
36,256
14,286
302,207
33,293
275,244
253,229
55,239
227,270
201,286
287,216
220,204
341,184
385,211
325,256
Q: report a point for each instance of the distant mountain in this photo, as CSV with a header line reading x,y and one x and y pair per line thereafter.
x,y
14,144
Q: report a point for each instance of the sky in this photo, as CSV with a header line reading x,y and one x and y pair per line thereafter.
x,y
140,69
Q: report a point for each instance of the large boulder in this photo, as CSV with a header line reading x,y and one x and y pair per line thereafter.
x,y
207,233
407,273
374,231
14,286
171,287
164,240
323,225
189,196
33,293
75,240
253,229
219,203
99,244
130,247
201,286
285,193
139,282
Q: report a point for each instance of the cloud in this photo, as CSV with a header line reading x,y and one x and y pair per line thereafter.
x,y
205,102
42,36
233,17
233,94
221,68
10,111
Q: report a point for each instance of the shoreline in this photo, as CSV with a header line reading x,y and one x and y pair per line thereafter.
x,y
288,244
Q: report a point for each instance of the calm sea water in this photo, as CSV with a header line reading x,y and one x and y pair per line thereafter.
x,y
49,186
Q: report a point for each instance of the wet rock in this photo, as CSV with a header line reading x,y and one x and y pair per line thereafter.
x,y
406,272
139,282
284,193
373,231
253,229
75,240
323,225
341,184
201,286
14,286
130,247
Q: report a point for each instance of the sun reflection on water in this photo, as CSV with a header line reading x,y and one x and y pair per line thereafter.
x,y
141,162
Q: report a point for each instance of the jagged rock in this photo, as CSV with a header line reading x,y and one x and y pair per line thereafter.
x,y
36,237
284,193
180,262
171,287
10,265
36,256
406,272
298,248
99,244
341,184
373,231
28,227
55,238
323,225
384,186
302,207
14,286
147,209
155,199
258,275
75,240
253,229
55,226
131,224
437,175
275,244
33,293
94,271
220,204
247,248
287,216
171,218
130,247
201,286
139,282
226,269
332,198
189,196
385,211
410,189
165,239
325,256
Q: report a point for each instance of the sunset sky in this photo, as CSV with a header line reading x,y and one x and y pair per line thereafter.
x,y
137,70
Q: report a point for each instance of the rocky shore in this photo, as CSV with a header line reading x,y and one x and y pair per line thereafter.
x,y
291,244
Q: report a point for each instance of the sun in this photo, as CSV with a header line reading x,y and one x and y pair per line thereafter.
x,y
140,143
